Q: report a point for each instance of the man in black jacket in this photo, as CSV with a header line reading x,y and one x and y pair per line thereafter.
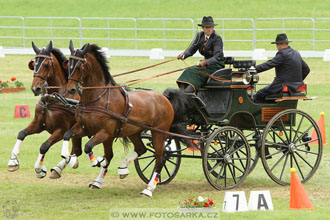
x,y
290,69
210,45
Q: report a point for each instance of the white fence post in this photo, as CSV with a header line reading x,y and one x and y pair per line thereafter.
x,y
2,52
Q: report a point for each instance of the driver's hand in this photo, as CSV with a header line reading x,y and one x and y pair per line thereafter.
x,y
201,63
180,56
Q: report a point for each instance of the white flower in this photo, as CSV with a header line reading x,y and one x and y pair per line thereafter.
x,y
201,199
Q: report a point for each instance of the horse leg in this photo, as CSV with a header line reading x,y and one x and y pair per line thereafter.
x,y
77,132
139,149
100,137
56,171
108,154
34,127
158,142
39,168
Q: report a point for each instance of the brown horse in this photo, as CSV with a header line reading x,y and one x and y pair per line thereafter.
x,y
50,115
95,113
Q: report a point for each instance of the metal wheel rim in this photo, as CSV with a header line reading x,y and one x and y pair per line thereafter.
x,y
146,169
285,153
231,171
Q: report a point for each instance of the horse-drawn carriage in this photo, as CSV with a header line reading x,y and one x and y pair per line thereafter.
x,y
225,121
232,132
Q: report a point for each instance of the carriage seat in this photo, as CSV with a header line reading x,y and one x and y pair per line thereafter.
x,y
289,91
212,103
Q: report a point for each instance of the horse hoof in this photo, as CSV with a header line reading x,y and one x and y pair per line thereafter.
x,y
12,168
95,185
144,196
54,175
40,173
76,165
91,186
72,161
146,193
123,176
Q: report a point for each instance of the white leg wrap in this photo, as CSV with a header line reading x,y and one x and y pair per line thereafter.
x,y
151,185
100,179
13,162
130,158
59,167
72,161
123,170
65,149
15,152
99,162
39,169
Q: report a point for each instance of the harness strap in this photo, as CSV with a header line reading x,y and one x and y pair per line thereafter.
x,y
127,109
101,110
77,58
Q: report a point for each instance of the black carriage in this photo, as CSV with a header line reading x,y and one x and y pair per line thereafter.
x,y
232,132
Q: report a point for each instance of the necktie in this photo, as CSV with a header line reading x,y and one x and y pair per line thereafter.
x,y
206,39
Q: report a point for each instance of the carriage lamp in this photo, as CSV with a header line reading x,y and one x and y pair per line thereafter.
x,y
246,78
254,74
255,78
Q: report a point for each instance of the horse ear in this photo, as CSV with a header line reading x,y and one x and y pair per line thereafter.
x,y
85,49
49,48
31,65
65,64
71,47
35,48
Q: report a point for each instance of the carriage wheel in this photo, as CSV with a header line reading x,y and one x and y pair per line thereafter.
x,y
287,143
145,164
254,139
226,158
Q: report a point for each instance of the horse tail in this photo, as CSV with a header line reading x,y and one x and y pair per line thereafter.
x,y
125,142
180,104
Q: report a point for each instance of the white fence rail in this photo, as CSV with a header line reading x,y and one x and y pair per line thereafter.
x,y
238,34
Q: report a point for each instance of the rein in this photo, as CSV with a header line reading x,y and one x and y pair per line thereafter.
x,y
137,70
96,109
216,78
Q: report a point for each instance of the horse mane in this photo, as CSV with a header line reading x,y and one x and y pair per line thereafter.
x,y
61,58
101,57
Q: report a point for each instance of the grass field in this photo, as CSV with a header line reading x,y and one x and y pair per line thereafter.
x,y
69,197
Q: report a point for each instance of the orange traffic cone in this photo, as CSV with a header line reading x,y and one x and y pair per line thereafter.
x,y
298,196
321,125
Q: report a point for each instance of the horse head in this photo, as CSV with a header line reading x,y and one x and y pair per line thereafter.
x,y
77,67
42,66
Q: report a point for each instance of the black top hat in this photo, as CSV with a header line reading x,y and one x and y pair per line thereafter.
x,y
281,38
207,22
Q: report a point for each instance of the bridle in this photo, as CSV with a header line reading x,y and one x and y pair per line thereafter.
x,y
82,67
36,71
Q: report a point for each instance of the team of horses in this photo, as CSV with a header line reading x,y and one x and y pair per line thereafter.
x,y
104,112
